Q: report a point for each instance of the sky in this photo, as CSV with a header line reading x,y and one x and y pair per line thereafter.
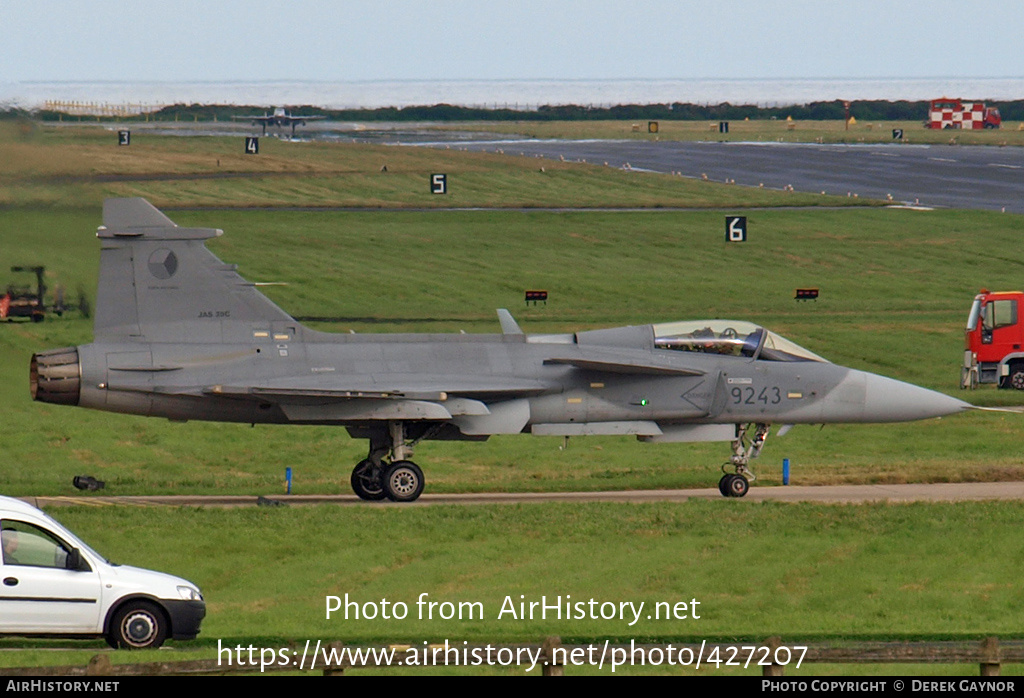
x,y
343,40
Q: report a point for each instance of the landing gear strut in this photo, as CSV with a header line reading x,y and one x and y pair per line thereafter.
x,y
737,483
398,478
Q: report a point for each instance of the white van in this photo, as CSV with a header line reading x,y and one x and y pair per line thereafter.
x,y
54,584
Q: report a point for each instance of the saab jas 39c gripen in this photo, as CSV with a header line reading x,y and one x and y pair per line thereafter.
x,y
280,118
179,334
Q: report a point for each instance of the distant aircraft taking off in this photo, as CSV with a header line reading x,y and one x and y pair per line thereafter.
x,y
179,334
280,118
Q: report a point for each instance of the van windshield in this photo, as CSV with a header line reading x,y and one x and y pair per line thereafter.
x,y
74,540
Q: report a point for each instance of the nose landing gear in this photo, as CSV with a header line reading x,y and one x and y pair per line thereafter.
x,y
737,483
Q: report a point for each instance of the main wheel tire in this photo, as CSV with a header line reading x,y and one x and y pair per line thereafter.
x,y
403,481
723,485
737,486
364,484
138,625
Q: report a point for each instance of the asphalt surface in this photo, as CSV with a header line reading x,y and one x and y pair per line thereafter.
x,y
941,176
834,494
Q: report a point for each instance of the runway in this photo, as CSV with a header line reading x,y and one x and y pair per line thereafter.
x,y
980,177
829,494
943,176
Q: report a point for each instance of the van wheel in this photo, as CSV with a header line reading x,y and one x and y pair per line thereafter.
x,y
137,625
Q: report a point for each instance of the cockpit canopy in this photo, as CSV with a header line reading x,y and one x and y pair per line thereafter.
x,y
730,338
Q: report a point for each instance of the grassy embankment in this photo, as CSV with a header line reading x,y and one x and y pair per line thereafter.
x,y
80,166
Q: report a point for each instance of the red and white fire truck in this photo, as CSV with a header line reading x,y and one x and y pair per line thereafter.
x,y
954,113
994,341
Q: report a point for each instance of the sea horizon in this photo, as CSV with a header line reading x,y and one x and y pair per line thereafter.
x,y
517,94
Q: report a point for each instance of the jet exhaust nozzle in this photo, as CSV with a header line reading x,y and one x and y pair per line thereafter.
x,y
55,376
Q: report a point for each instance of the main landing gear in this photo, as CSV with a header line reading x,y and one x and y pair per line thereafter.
x,y
737,483
398,478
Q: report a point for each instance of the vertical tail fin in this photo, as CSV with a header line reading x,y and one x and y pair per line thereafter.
x,y
159,283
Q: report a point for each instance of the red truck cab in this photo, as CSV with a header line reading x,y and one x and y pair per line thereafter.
x,y
994,341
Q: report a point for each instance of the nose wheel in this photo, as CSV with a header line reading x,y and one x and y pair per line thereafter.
x,y
733,485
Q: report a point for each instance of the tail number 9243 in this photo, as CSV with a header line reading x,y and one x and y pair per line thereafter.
x,y
750,395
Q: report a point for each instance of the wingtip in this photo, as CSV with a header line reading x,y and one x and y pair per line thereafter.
x,y
508,323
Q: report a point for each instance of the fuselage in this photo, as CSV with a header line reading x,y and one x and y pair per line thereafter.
x,y
620,376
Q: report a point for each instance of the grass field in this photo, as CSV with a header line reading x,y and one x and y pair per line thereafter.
x,y
894,293
895,289
805,572
80,166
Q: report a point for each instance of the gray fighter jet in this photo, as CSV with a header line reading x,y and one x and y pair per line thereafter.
x,y
279,118
179,334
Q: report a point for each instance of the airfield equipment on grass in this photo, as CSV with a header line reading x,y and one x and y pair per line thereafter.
x,y
946,113
20,301
179,334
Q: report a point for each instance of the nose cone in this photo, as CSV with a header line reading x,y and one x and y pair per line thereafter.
x,y
888,400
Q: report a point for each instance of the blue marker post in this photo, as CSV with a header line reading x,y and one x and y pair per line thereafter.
x,y
785,471
288,480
